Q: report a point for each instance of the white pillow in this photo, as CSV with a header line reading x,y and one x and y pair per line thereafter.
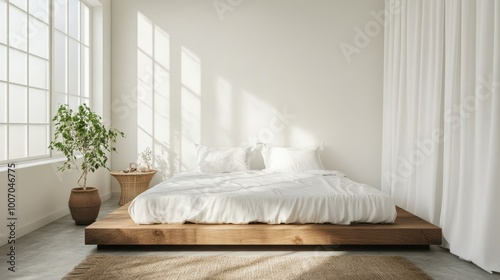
x,y
289,159
217,160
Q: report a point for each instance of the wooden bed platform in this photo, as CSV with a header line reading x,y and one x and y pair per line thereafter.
x,y
118,229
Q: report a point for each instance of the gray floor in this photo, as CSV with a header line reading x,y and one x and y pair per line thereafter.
x,y
52,251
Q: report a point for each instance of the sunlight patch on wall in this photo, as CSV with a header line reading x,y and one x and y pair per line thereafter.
x,y
144,82
190,106
161,100
153,92
223,112
144,34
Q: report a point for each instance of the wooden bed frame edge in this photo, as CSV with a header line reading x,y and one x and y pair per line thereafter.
x,y
117,228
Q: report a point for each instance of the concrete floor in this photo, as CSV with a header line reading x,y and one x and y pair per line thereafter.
x,y
53,250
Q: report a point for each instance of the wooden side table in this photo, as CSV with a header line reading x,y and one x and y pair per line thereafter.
x,y
132,184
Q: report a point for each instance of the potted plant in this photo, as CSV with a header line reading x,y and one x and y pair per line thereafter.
x,y
81,133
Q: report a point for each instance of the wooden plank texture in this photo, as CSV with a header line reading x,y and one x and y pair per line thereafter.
x,y
118,229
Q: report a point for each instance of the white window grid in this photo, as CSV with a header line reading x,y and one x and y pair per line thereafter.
x,y
83,95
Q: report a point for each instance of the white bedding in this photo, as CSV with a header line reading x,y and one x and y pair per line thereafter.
x,y
257,196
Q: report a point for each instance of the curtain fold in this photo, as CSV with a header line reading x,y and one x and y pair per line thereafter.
x,y
471,212
441,138
414,44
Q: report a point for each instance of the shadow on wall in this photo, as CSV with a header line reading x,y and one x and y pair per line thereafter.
x,y
172,114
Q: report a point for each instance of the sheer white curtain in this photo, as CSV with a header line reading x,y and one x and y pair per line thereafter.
x,y
470,216
441,140
414,55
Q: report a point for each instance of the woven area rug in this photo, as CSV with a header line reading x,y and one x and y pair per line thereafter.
x,y
234,267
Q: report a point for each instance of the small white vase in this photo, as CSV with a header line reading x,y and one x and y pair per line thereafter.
x,y
144,166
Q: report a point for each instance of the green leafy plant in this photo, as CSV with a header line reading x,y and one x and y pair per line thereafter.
x,y
82,132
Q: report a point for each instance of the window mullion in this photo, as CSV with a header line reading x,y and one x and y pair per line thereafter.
x,y
82,50
7,87
28,80
51,69
91,55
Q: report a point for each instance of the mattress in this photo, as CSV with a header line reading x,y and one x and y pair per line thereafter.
x,y
321,196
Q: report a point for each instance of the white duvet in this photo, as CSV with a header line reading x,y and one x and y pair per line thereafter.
x,y
257,196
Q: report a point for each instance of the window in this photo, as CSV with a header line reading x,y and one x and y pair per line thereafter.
x,y
44,62
71,53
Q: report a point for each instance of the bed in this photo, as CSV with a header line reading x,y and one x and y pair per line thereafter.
x,y
262,208
243,197
293,201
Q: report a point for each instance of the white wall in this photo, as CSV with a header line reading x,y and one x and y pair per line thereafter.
x,y
42,192
221,76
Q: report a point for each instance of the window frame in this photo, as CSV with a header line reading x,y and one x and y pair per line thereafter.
x,y
50,156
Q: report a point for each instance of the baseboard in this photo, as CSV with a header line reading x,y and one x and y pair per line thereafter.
x,y
21,231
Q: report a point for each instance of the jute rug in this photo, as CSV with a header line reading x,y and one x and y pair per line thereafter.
x,y
234,267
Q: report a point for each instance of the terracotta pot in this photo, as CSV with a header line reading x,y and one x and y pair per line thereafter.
x,y
84,205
